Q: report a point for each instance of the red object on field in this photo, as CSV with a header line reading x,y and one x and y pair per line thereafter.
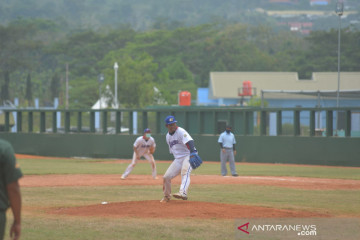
x,y
247,86
185,98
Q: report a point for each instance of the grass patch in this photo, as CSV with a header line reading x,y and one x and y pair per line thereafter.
x,y
39,225
335,202
346,202
66,228
97,166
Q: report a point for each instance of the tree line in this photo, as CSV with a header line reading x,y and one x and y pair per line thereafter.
x,y
145,14
33,55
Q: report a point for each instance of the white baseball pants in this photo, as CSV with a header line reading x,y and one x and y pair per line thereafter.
x,y
179,165
148,157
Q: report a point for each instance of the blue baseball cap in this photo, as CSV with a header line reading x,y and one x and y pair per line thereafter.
x,y
147,130
170,120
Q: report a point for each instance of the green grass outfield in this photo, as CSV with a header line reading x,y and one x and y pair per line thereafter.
x,y
38,224
98,166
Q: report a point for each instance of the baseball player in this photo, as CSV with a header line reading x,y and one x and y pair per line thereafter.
x,y
181,145
10,195
143,146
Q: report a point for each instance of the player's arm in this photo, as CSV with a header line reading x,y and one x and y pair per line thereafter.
x,y
167,141
12,174
136,152
220,141
222,147
191,146
13,190
152,149
234,142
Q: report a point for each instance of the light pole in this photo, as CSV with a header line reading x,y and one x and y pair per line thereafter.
x,y
339,11
101,79
116,67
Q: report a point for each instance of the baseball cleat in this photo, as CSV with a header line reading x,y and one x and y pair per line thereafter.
x,y
165,199
180,196
123,177
235,175
155,178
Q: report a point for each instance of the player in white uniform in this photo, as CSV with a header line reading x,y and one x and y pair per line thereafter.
x,y
181,145
143,146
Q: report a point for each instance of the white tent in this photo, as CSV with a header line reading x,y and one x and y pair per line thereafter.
x,y
106,100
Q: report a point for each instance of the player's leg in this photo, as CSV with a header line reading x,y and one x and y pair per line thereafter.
x,y
185,178
232,162
173,170
130,167
151,160
223,159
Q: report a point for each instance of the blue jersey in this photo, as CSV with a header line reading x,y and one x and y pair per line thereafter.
x,y
227,139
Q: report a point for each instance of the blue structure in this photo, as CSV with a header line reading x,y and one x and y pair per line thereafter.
x,y
204,100
321,3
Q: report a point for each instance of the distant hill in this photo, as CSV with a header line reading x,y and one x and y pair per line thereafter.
x,y
147,14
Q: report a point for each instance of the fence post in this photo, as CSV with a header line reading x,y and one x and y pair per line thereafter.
x,y
54,122
118,122
186,120
296,123
30,122
144,120
104,121
19,121
263,123
199,122
79,121
215,121
231,120
158,122
245,125
131,127
92,121
348,123
42,122
67,122
312,123
279,123
329,123
7,121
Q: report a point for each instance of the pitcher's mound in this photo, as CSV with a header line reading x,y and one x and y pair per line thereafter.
x,y
181,209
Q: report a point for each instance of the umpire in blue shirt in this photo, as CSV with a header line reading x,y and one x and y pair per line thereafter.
x,y
227,143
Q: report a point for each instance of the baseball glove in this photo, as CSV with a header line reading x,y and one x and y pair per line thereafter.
x,y
195,160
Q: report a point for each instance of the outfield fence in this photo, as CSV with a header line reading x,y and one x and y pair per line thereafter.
x,y
266,135
197,120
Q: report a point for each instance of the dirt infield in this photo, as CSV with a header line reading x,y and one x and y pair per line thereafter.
x,y
178,208
115,180
181,209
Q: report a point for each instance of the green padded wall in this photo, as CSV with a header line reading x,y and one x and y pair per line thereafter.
x,y
261,149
